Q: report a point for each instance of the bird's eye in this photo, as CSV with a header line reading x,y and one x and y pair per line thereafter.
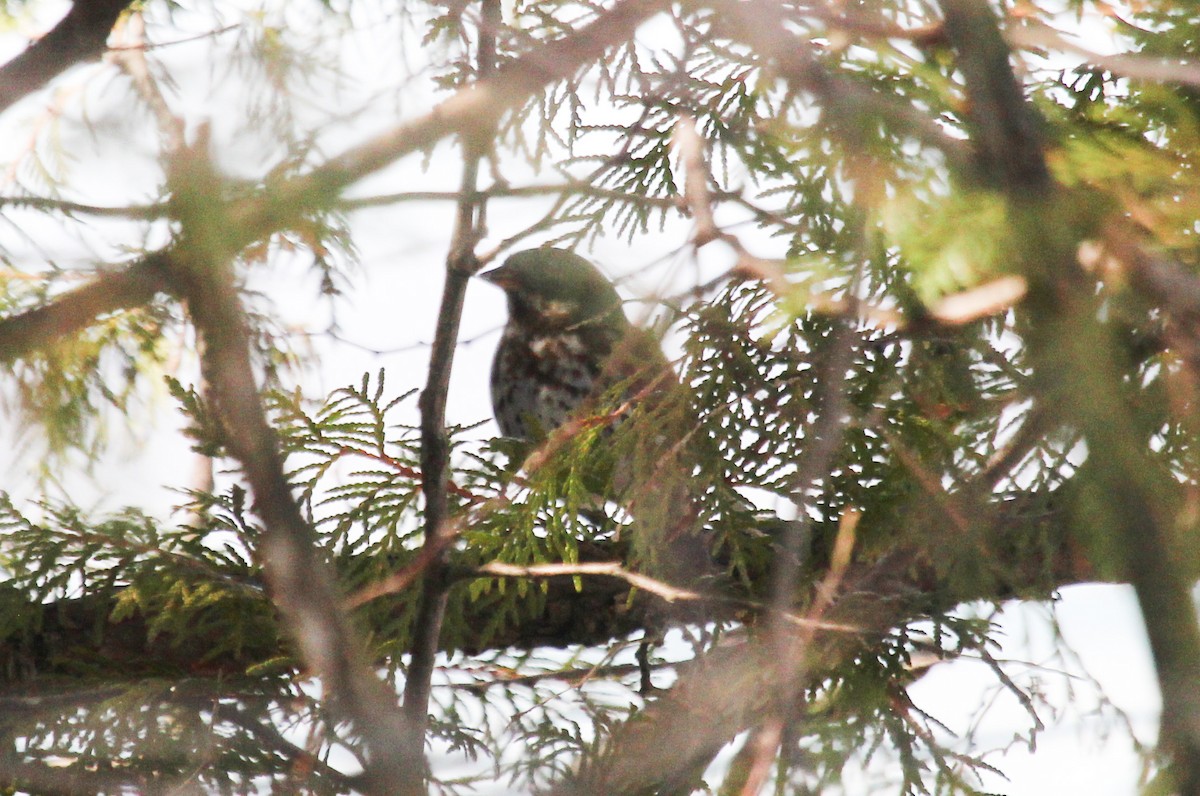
x,y
555,309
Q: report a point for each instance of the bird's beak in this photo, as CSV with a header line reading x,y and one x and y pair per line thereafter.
x,y
500,277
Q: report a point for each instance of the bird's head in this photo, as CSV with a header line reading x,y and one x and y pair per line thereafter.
x,y
554,290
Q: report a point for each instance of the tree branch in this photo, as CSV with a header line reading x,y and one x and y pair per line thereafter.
x,y
75,310
728,691
147,212
1134,498
566,187
461,264
1005,129
300,579
597,611
79,36
477,106
763,26
283,204
1036,35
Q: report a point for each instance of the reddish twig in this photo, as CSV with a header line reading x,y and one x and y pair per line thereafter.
x,y
408,472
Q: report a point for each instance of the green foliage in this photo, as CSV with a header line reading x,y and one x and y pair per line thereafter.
x,y
803,396
75,387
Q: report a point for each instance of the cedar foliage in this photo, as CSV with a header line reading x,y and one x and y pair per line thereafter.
x,y
900,165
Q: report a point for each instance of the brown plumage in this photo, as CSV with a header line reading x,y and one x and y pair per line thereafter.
x,y
567,343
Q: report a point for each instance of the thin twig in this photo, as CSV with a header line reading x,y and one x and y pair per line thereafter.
x,y
461,264
571,676
171,130
408,472
659,588
146,212
566,188
848,20
690,146
133,62
612,569
822,442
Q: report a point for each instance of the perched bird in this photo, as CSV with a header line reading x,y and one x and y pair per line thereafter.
x,y
566,344
564,322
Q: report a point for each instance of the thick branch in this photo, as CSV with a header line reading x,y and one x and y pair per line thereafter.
x,y
594,614
301,581
74,311
1005,129
79,36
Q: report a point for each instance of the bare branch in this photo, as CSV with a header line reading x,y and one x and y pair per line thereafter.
x,y
79,36
567,187
301,581
1006,131
611,569
1165,282
762,746
461,264
138,212
132,59
1033,35
987,299
74,311
696,196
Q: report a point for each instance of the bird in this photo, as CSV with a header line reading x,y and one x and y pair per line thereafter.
x,y
566,347
564,320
